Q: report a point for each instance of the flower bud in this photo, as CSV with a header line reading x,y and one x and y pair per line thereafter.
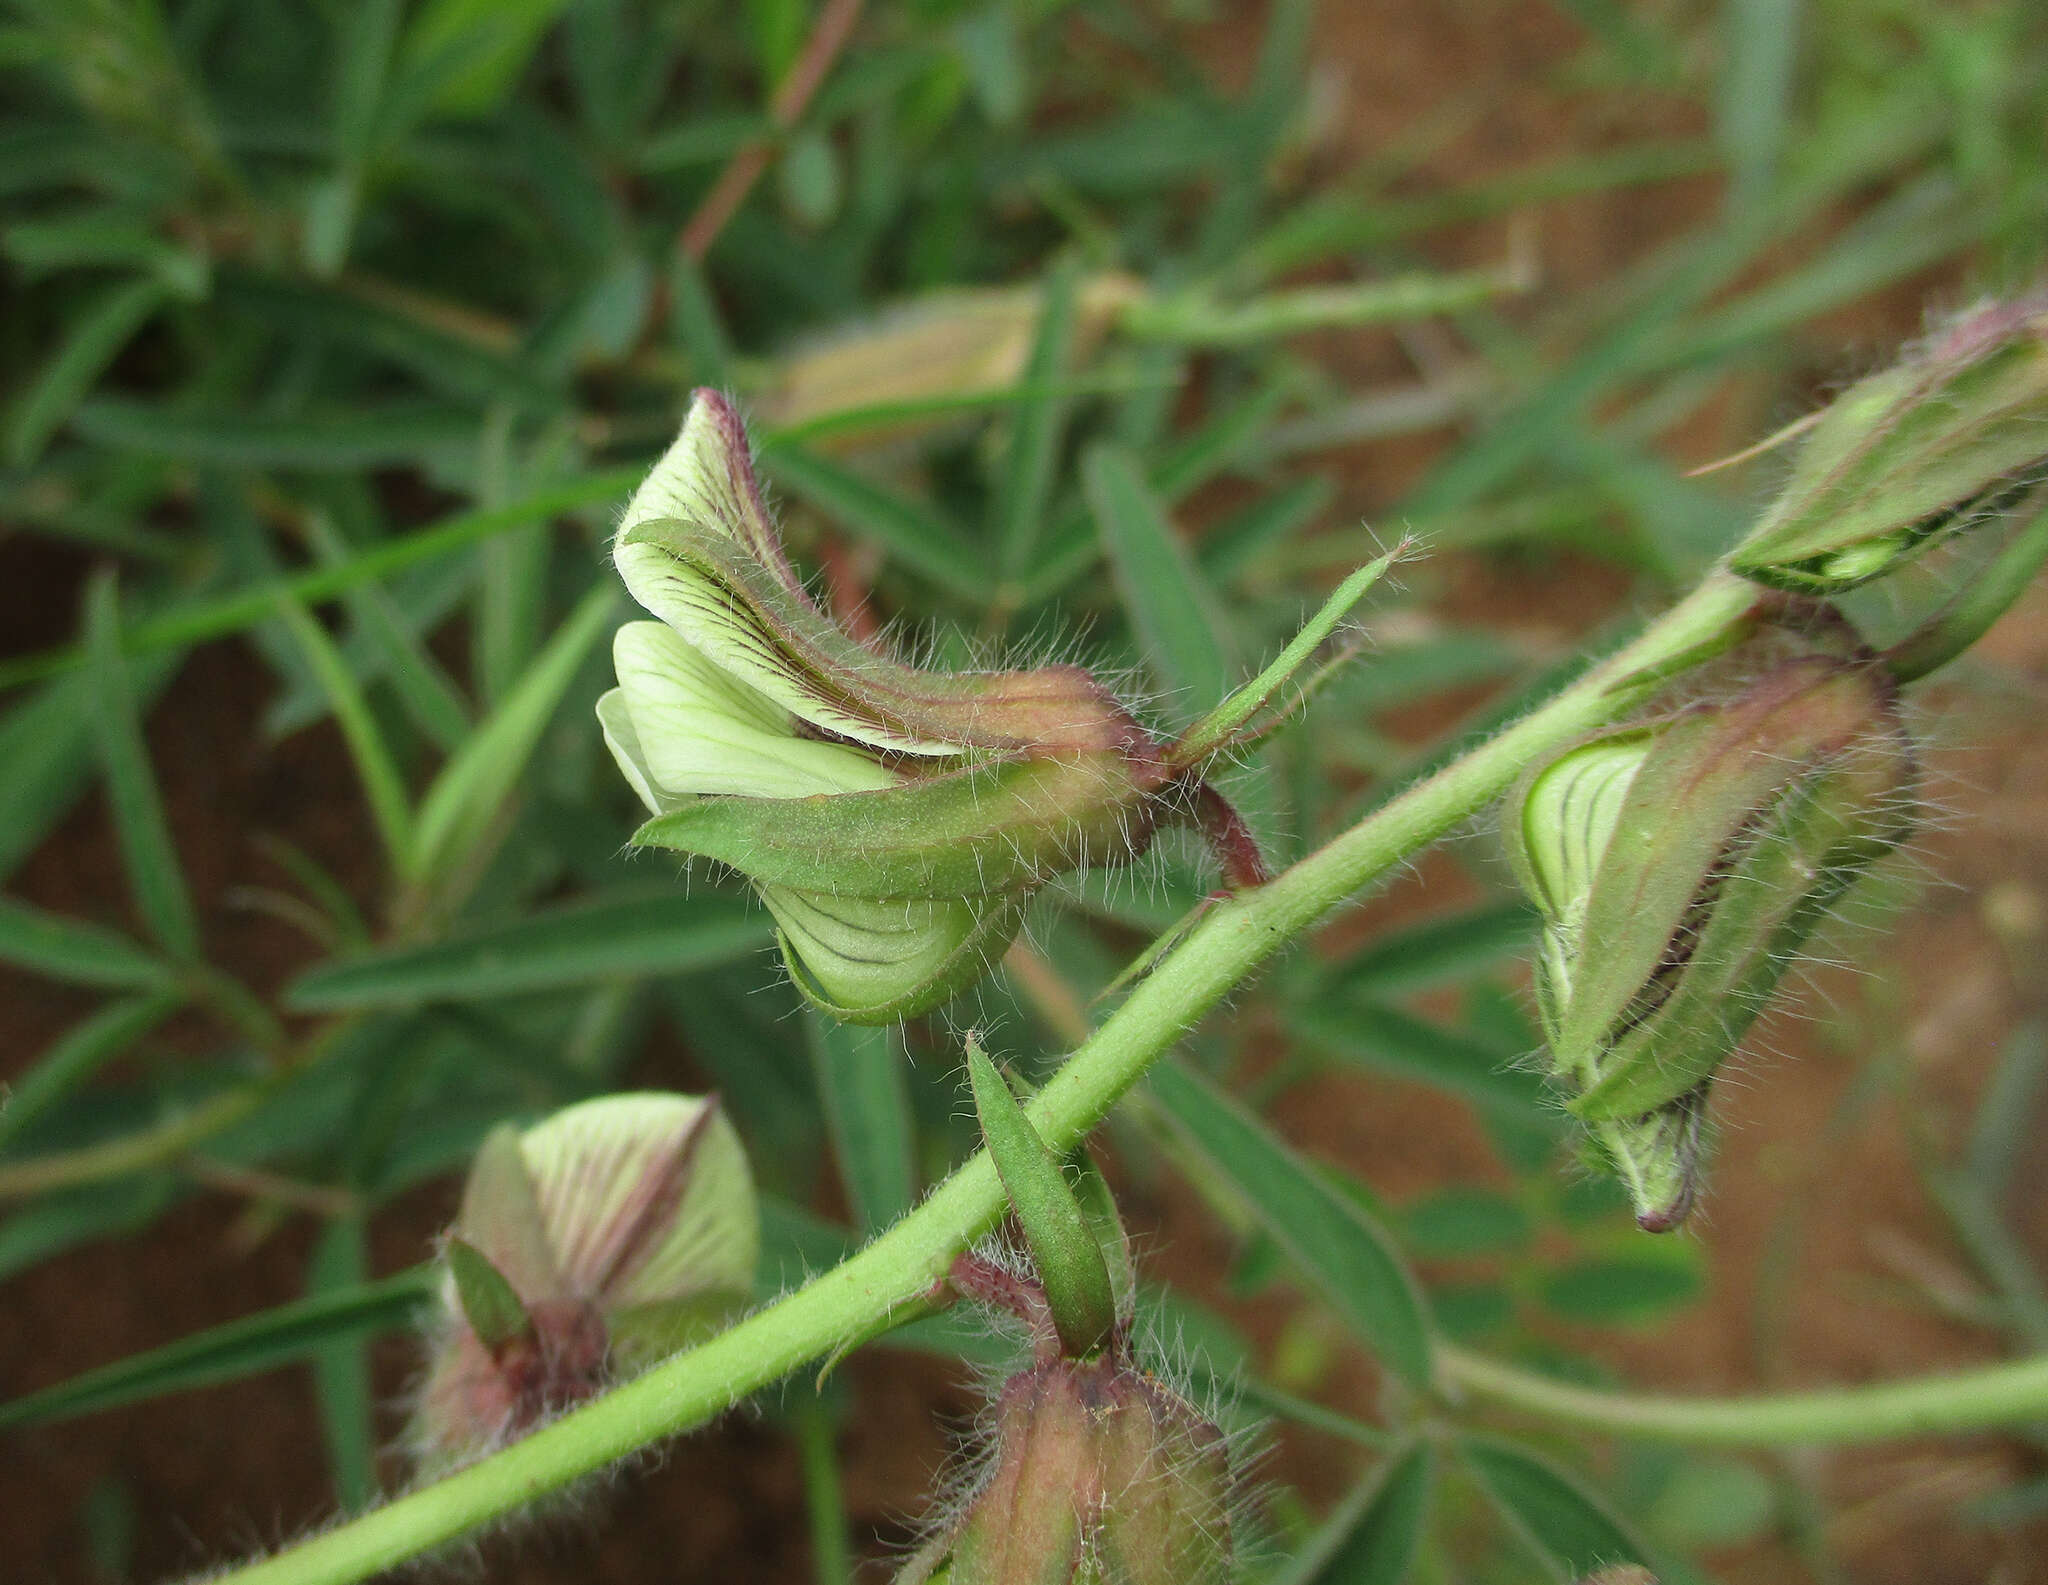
x,y
895,820
1678,869
1099,1473
1952,432
592,1244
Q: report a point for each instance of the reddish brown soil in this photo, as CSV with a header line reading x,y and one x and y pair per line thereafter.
x,y
1805,1176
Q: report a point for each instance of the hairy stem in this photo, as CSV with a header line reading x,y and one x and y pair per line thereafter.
x,y
851,1300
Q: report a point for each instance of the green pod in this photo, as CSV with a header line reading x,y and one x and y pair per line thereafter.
x,y
1906,455
878,960
980,831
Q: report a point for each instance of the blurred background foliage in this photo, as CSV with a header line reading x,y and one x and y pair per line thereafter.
x,y
336,332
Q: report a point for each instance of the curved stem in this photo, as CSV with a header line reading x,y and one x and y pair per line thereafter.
x,y
854,1298
1971,1400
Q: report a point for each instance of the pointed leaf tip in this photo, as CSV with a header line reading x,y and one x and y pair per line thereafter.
x,y
1061,1239
488,1301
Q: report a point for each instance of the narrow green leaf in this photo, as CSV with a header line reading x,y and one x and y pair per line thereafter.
x,y
860,1074
341,1368
79,1053
1174,613
71,950
383,786
914,534
389,637
476,783
1062,1242
1414,1048
489,1304
1999,1134
89,345
154,875
1036,424
1373,1536
824,1496
70,1217
210,619
238,1348
46,745
1215,729
1570,1527
694,316
1760,40
336,438
1440,951
1328,1236
571,944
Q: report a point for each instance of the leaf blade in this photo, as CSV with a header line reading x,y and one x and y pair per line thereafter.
x,y
1343,1251
154,874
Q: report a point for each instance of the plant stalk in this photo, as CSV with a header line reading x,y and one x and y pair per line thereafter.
x,y
1971,1400
1228,944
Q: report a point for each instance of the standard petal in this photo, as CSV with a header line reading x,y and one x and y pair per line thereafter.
x,y
647,1199
685,727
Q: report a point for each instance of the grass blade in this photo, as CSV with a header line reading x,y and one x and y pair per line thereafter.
x,y
1440,951
234,1350
1341,1250
341,1368
551,949
1174,613
154,875
481,777
1035,428
79,1053
210,619
74,951
867,1111
383,786
914,534
91,343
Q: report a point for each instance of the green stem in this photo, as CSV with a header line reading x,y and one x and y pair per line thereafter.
x,y
116,1158
1971,1400
1218,954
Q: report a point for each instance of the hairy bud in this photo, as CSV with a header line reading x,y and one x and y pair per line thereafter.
x,y
613,1233
1958,429
1679,867
894,819
1099,1474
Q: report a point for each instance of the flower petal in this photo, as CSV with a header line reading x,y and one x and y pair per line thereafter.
x,y
684,727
